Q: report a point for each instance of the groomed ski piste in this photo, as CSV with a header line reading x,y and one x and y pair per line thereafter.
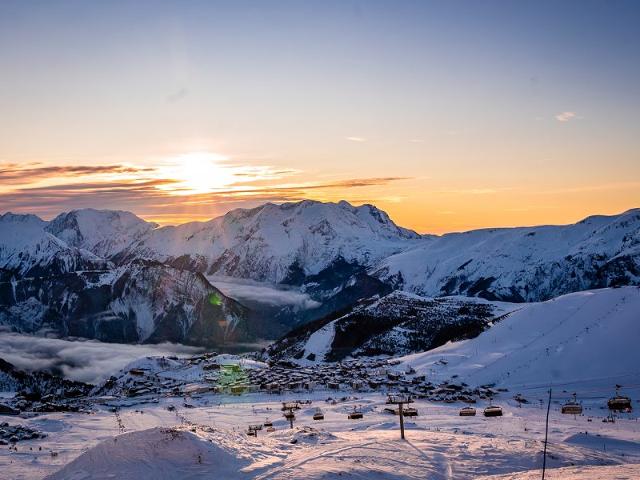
x,y
583,343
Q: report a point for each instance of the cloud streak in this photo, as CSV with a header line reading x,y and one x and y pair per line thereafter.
x,y
32,171
263,293
48,190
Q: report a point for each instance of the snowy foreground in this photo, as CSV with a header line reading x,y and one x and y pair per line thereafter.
x,y
175,426
148,441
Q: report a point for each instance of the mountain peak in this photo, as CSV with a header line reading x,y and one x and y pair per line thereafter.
x,y
103,232
21,218
267,242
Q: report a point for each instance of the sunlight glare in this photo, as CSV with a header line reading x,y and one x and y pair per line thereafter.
x,y
199,172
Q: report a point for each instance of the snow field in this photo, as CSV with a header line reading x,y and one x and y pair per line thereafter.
x,y
211,441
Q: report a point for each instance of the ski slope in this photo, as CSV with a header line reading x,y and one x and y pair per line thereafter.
x,y
583,338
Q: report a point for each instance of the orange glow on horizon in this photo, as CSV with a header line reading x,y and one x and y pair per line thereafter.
x,y
199,186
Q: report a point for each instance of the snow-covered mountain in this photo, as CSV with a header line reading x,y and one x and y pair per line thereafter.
x,y
585,338
27,249
334,254
103,232
396,324
322,246
49,281
136,303
279,243
522,264
295,242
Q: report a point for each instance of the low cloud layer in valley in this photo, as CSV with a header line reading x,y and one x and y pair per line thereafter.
x,y
264,293
84,360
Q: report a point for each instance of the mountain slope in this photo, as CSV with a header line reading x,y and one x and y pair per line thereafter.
x,y
136,303
522,264
396,324
586,337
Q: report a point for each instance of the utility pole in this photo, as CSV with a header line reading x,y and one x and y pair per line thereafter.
x,y
546,434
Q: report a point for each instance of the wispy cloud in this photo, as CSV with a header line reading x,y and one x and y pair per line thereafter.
x,y
566,116
356,139
177,95
31,171
47,190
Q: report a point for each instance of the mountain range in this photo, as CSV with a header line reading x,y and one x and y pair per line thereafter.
x,y
112,276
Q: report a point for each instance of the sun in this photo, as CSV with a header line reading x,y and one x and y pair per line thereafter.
x,y
198,172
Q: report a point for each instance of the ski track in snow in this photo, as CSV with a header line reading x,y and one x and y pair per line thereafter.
x,y
320,341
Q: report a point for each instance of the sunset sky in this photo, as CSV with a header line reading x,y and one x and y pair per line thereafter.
x,y
448,115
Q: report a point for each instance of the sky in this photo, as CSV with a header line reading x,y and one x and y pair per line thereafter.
x,y
448,115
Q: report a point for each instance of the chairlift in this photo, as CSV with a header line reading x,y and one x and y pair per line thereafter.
x,y
395,399
318,415
572,407
493,411
619,403
355,415
290,406
410,412
468,412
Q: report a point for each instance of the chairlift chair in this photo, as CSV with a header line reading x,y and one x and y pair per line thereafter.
x,y
493,411
468,412
410,412
355,415
572,407
619,403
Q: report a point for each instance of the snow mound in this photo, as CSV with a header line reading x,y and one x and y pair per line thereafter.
x,y
605,443
158,454
304,436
